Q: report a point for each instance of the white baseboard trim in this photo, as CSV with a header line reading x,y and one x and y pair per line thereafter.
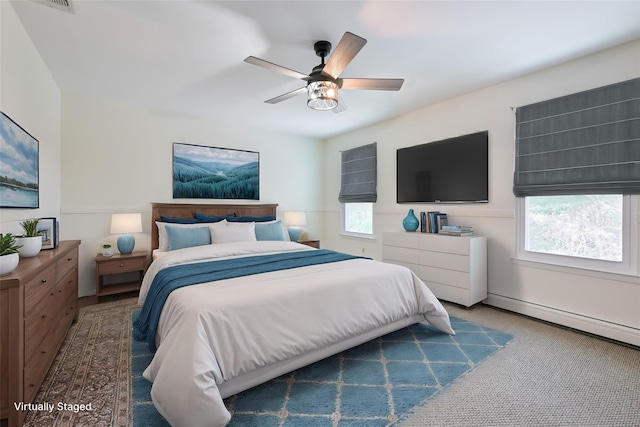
x,y
583,323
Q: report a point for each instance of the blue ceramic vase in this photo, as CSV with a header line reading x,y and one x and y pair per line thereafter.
x,y
410,222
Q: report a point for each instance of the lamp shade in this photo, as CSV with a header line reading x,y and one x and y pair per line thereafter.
x,y
126,223
295,218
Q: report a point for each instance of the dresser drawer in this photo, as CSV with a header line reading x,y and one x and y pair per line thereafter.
x,y
458,279
37,324
68,286
440,243
404,240
38,288
37,365
397,253
67,301
68,310
444,260
121,266
67,263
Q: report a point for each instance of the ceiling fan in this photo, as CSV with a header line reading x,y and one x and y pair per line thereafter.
x,y
324,81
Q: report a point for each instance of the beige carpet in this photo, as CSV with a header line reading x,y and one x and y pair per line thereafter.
x,y
547,376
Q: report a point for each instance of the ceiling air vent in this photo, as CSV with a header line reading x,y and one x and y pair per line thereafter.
x,y
63,5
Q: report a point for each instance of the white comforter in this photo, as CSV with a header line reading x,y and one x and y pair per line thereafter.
x,y
213,332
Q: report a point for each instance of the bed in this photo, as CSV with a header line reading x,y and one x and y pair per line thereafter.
x,y
219,332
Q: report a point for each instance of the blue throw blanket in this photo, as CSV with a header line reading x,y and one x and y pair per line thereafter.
x,y
171,278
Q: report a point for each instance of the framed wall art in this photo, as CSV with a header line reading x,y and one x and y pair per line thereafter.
x,y
19,166
201,172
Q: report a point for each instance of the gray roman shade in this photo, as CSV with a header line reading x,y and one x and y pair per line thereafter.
x,y
585,143
359,173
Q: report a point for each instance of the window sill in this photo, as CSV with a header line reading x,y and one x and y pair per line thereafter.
x,y
370,237
608,275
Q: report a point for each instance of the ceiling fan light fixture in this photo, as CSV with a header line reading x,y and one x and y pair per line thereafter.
x,y
324,80
322,95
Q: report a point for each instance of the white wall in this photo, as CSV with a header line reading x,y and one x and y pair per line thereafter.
x,y
98,157
603,304
30,96
118,158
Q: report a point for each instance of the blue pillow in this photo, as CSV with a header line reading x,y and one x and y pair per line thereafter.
x,y
180,237
175,220
252,218
270,231
200,217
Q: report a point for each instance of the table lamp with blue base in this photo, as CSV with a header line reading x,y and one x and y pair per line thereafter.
x,y
124,224
294,220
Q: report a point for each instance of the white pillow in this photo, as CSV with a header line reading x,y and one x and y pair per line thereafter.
x,y
163,239
222,223
233,232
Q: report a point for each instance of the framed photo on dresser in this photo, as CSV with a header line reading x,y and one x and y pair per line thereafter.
x,y
48,229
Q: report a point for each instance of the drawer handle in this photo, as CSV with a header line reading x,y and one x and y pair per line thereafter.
x,y
44,316
121,265
44,280
32,385
69,259
44,352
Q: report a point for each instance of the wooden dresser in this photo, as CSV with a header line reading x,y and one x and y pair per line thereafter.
x,y
38,302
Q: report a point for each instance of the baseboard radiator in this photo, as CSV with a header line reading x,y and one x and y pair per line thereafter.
x,y
591,325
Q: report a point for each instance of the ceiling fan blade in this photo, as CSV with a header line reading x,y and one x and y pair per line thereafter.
x,y
341,106
275,67
286,96
348,47
370,84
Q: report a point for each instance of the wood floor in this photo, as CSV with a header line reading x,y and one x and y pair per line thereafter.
x,y
90,300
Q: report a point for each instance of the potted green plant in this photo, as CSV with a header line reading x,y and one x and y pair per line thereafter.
x,y
107,250
9,256
31,241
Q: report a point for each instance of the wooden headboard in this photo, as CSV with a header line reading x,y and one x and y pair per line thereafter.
x,y
186,210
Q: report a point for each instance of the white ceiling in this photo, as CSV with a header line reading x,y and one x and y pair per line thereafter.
x,y
186,57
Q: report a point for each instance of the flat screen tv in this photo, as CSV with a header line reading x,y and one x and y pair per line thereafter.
x,y
454,170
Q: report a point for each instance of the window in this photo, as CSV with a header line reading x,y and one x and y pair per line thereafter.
x,y
358,189
584,231
577,174
358,219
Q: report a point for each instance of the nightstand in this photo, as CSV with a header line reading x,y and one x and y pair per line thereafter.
x,y
120,273
312,243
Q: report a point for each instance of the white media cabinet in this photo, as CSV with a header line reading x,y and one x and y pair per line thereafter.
x,y
454,268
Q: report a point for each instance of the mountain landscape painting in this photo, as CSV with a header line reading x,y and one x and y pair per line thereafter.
x,y
201,172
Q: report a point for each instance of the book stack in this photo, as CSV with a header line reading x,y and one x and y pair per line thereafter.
x,y
432,222
456,230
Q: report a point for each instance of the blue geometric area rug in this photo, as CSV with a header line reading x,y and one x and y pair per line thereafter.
x,y
379,383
